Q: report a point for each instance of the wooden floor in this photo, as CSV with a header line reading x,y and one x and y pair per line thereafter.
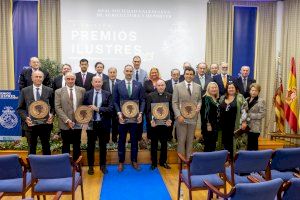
x,y
93,183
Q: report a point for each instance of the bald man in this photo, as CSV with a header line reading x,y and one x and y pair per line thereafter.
x,y
37,91
25,76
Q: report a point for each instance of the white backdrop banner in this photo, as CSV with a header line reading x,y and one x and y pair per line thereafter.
x,y
165,33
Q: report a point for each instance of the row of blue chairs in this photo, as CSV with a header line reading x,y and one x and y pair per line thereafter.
x,y
252,174
43,174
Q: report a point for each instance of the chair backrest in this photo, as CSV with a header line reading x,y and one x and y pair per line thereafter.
x,y
252,161
208,162
293,192
50,166
259,191
286,159
10,167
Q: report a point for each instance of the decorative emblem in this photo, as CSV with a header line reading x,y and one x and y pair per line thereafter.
x,y
38,109
188,110
160,111
83,114
130,109
8,119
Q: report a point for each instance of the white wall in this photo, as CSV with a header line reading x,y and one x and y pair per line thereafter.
x,y
164,33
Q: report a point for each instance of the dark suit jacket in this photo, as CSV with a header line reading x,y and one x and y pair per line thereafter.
x,y
57,82
240,85
25,78
181,78
106,87
106,107
218,80
154,97
208,79
120,94
169,86
104,76
27,97
148,86
88,80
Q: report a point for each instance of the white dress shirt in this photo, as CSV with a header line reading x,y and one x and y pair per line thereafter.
x,y
34,91
191,85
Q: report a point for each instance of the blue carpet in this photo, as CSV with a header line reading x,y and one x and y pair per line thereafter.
x,y
134,185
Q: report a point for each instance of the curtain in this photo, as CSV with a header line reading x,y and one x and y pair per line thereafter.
x,y
49,30
6,46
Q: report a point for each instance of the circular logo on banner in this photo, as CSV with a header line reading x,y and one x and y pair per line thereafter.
x,y
188,110
8,118
38,109
83,114
160,111
130,109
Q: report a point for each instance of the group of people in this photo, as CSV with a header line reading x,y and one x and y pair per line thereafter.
x,y
230,109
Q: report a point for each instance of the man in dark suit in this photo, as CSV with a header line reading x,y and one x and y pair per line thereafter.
x,y
99,67
223,78
25,76
101,102
128,89
201,78
175,74
213,70
37,91
159,132
244,81
185,65
109,85
59,81
84,78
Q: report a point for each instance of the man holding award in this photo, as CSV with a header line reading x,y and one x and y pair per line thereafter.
x,y
186,102
129,103
67,100
160,113
100,101
36,109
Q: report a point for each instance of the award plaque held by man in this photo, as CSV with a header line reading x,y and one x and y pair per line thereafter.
x,y
130,111
160,113
38,112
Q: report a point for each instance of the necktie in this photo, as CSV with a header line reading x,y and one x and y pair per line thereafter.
x,y
137,75
38,96
224,79
112,86
129,89
83,79
189,89
245,84
96,104
71,98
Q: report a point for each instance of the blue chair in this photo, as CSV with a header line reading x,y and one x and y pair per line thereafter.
x,y
203,166
246,163
285,162
14,178
54,173
290,189
266,190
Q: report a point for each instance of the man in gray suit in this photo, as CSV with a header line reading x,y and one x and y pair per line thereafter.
x,y
67,100
36,91
201,78
186,91
139,74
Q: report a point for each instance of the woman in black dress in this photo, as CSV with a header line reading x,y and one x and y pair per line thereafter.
x,y
233,117
209,116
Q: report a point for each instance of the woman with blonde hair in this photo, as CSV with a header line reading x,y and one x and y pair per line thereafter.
x,y
256,112
210,116
150,85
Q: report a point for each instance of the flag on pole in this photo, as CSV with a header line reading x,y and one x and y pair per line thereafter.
x,y
279,108
291,112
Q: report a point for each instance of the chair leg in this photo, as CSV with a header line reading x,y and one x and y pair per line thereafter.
x,y
38,197
209,195
178,192
82,194
44,197
190,194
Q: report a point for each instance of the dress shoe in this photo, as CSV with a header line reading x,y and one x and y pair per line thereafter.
x,y
103,169
135,166
120,167
153,167
165,165
91,171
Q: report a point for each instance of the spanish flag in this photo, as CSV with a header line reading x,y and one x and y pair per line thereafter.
x,y
279,108
291,112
